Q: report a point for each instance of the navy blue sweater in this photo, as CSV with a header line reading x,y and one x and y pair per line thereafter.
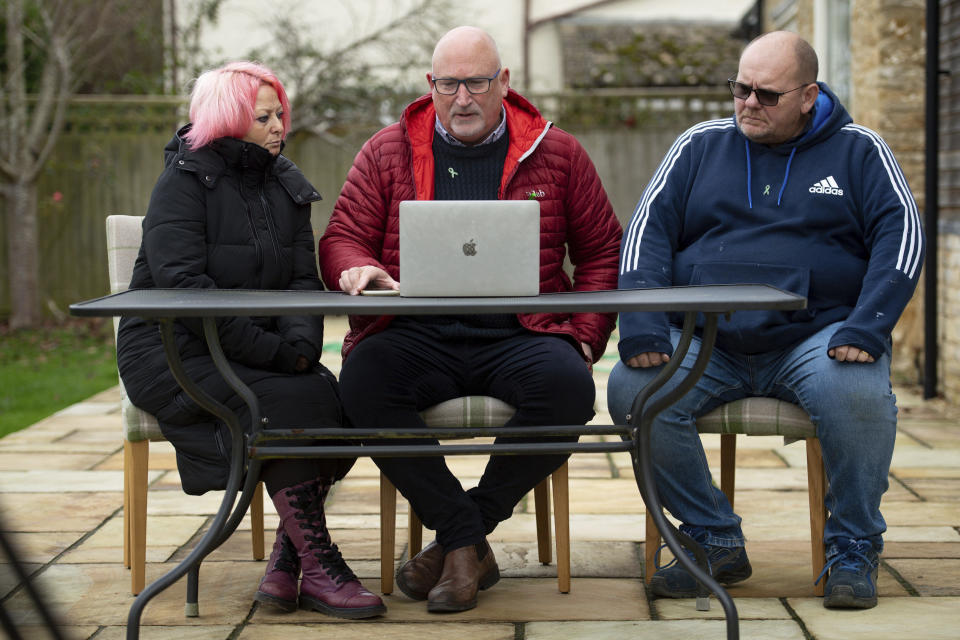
x,y
828,216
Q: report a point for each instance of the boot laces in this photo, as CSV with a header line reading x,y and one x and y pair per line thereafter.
x,y
288,560
854,559
309,506
714,553
332,561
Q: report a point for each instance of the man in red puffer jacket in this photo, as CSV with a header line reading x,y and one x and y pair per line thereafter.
x,y
471,138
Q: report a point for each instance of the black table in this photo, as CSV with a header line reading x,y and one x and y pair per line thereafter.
x,y
165,305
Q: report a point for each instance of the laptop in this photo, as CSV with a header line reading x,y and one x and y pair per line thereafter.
x,y
469,248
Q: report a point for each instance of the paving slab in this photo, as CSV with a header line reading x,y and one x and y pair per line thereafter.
x,y
207,632
10,580
161,457
18,461
57,511
373,629
68,527
165,535
56,481
66,632
99,594
747,609
891,619
515,599
895,549
942,533
930,577
42,547
663,630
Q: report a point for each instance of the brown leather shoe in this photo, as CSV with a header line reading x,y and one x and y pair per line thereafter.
x,y
462,577
419,574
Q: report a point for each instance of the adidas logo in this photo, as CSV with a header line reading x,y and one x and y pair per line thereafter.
x,y
827,185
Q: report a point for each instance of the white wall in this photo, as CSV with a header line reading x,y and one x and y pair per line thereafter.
x,y
242,26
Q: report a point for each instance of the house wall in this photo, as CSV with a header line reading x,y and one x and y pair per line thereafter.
x,y
241,26
887,56
546,72
949,200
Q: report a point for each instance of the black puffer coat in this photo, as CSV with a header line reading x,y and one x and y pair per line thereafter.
x,y
231,216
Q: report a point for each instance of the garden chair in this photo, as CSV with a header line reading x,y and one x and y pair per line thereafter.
x,y
480,411
139,427
762,417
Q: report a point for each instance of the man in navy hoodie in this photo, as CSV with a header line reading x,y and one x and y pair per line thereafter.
x,y
791,193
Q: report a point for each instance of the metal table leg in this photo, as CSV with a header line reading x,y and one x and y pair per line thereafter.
x,y
641,418
214,535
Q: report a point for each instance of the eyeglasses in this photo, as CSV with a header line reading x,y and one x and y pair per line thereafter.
x,y
766,97
450,86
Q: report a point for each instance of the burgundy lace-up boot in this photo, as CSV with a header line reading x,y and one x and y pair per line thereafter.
x,y
278,587
328,584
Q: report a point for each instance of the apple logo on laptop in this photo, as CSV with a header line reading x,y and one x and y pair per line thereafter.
x,y
470,248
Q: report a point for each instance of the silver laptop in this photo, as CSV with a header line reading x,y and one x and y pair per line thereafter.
x,y
469,248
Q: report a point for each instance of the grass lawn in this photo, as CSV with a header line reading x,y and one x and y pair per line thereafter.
x,y
44,370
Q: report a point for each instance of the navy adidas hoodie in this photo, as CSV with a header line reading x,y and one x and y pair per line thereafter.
x,y
828,216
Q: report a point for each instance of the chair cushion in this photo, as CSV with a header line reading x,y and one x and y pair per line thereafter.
x,y
468,411
138,424
123,244
758,417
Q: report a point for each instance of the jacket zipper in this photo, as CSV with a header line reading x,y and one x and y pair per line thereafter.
x,y
524,156
271,229
258,246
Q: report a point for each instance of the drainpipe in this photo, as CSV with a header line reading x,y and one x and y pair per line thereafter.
x,y
931,199
526,46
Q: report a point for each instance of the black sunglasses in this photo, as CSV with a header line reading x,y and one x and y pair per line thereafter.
x,y
766,97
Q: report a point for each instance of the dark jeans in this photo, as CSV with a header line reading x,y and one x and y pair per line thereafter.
x,y
393,375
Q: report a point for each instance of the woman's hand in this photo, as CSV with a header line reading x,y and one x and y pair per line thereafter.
x,y
302,364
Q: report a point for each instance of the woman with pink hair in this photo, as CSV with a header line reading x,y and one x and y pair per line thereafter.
x,y
229,211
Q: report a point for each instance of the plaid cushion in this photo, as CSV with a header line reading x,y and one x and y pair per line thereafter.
x,y
138,424
123,244
759,417
468,411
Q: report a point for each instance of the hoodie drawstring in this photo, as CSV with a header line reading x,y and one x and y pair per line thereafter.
x,y
786,174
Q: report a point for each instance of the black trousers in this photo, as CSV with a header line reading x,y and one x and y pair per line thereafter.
x,y
391,376
310,399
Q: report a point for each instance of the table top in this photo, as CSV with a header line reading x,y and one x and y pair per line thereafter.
x,y
181,303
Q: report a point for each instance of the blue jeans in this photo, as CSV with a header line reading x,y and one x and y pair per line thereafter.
x,y
852,405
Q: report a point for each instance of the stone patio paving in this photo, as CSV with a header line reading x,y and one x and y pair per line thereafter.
x,y
61,506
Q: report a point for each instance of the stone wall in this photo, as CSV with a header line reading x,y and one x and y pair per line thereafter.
x,y
888,57
949,200
887,60
949,328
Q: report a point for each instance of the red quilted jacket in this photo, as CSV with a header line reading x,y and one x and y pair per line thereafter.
x,y
543,162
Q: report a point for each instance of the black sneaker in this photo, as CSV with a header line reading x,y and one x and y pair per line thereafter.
x,y
728,565
852,583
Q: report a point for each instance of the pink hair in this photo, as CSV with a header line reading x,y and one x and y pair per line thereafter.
x,y
223,100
